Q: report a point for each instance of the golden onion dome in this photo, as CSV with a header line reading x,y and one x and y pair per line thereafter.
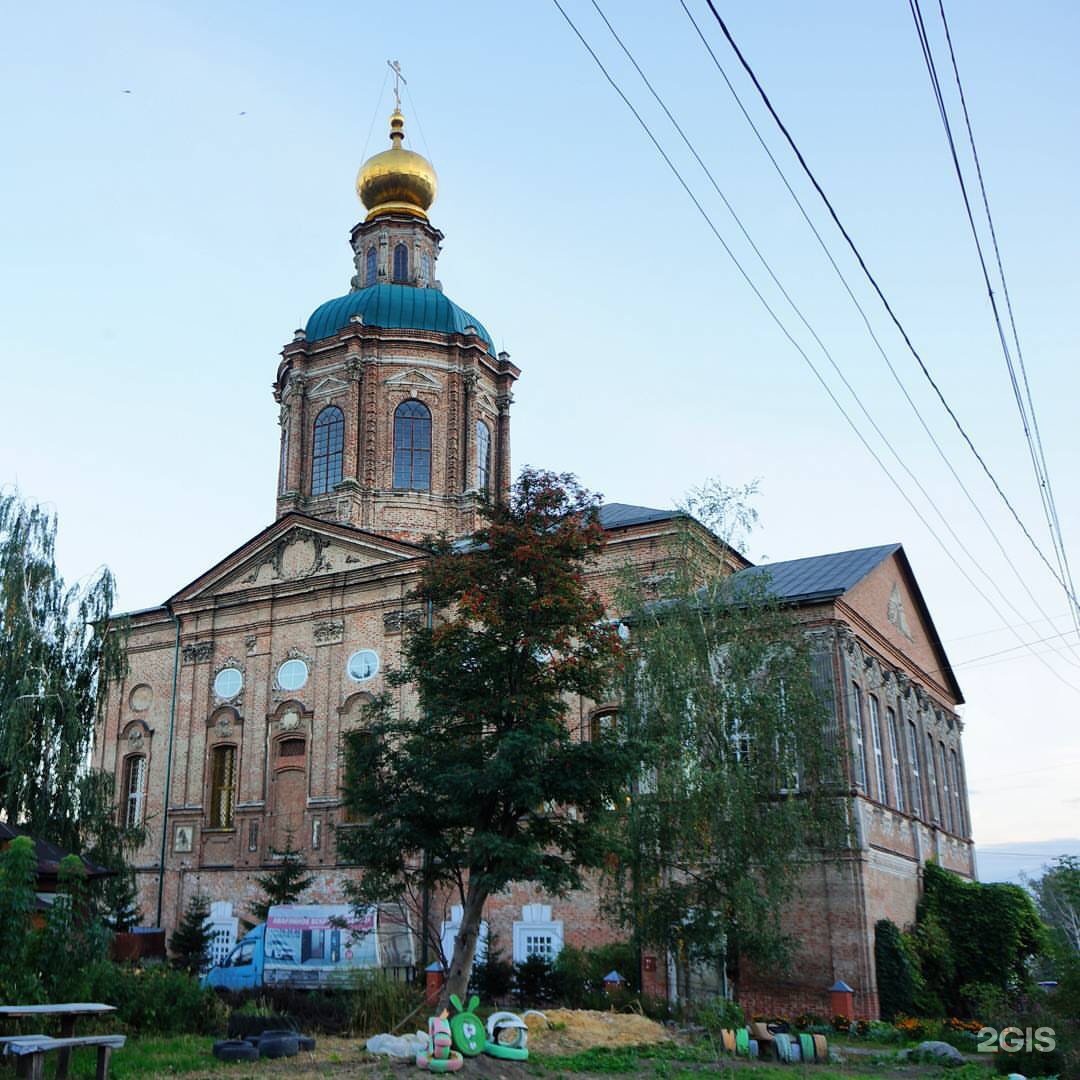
x,y
397,181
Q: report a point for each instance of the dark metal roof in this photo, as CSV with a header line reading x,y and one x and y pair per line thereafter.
x,y
819,577
619,515
49,856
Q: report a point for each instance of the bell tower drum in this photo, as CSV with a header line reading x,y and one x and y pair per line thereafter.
x,y
394,404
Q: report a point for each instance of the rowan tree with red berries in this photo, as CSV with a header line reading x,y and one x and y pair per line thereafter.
x,y
482,783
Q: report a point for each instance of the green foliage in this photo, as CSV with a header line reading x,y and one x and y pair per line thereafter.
x,y
18,874
968,932
153,1000
58,653
579,974
535,982
190,942
720,703
1057,894
283,885
720,1014
56,658
381,1003
493,977
483,784
896,975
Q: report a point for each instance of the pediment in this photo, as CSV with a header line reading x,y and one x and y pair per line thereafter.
x,y
328,387
414,377
890,600
294,551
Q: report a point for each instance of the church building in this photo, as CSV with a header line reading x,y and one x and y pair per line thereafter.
x,y
225,736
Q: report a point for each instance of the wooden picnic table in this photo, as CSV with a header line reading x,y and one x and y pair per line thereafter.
x,y
68,1013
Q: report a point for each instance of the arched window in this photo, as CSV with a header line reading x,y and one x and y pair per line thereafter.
x,y
131,812
483,455
326,450
371,271
401,263
222,778
412,447
425,268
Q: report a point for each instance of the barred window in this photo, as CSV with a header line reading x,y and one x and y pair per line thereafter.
x,y
327,450
879,760
859,747
291,748
483,455
913,763
946,802
222,778
134,785
894,753
958,792
412,447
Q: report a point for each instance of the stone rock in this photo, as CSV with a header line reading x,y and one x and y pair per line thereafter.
x,y
932,1050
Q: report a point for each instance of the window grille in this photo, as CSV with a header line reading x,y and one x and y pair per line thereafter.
x,y
483,456
913,762
134,785
327,448
894,753
412,447
859,748
222,774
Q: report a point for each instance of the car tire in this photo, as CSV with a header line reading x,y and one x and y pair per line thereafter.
x,y
278,1046
235,1050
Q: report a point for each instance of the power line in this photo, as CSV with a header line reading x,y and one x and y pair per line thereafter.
x,y
1035,447
1013,648
881,296
782,327
1011,563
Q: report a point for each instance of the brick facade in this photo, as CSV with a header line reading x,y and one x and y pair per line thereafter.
x,y
234,772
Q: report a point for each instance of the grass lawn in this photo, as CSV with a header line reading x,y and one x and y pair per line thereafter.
x,y
189,1055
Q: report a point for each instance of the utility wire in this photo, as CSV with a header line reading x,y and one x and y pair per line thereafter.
x,y
1028,417
888,307
828,355
1010,562
783,328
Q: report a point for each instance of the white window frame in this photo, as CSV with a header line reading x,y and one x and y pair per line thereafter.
x,y
859,749
450,928
536,922
894,749
134,794
916,774
879,758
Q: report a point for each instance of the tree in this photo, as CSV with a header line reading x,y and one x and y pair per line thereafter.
x,y
190,942
1057,894
482,783
283,885
737,788
56,659
969,933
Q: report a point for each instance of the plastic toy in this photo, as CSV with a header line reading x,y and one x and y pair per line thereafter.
x,y
467,1028
507,1036
438,1057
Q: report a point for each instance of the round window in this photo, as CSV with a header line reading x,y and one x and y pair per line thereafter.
x,y
363,665
228,682
292,675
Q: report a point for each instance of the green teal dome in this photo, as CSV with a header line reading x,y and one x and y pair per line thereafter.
x,y
394,307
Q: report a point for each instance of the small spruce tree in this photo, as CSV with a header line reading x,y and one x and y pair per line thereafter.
x,y
284,885
191,941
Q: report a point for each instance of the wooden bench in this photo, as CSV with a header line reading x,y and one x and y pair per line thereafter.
x,y
31,1051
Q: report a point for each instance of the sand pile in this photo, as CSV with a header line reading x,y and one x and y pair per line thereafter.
x,y
568,1030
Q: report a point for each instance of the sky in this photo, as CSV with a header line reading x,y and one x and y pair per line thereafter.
x,y
177,184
